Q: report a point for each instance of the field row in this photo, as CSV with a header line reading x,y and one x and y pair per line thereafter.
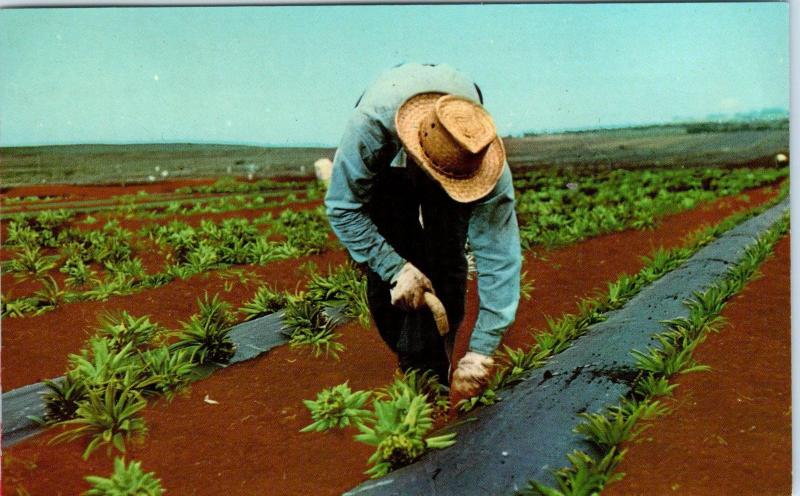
x,y
70,259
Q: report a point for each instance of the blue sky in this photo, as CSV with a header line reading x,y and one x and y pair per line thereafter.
x,y
290,75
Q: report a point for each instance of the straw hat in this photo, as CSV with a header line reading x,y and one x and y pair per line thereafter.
x,y
454,140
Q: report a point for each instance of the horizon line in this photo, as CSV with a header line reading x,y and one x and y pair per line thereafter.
x,y
676,122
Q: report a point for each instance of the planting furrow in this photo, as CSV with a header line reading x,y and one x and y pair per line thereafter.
x,y
35,348
729,431
104,206
154,200
526,436
73,196
250,338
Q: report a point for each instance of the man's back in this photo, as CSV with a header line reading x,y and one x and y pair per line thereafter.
x,y
384,96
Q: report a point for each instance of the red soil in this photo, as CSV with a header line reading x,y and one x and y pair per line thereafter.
x,y
105,191
36,348
100,191
145,203
250,444
730,429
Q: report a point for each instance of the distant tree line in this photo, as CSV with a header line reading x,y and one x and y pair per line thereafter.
x,y
724,127
690,127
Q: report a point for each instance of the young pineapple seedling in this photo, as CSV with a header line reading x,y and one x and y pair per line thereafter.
x,y
651,386
307,324
425,383
345,288
30,262
63,397
206,334
128,480
265,301
169,370
50,296
78,273
672,357
16,307
398,432
109,416
337,407
586,476
123,328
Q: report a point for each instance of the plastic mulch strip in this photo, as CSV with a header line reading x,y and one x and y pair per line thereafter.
x,y
252,338
526,436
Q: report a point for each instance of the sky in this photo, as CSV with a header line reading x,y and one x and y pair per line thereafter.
x,y
291,75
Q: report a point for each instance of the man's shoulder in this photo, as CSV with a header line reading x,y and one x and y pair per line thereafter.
x,y
394,86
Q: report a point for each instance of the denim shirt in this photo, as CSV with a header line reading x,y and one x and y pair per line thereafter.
x,y
369,144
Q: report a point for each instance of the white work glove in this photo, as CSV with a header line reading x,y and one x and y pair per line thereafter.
x,y
409,289
472,375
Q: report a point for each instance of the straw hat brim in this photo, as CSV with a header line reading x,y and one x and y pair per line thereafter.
x,y
407,121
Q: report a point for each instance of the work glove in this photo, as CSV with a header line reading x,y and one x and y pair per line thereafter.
x,y
410,286
472,375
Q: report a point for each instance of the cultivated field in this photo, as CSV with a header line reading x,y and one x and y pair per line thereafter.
x,y
660,146
137,295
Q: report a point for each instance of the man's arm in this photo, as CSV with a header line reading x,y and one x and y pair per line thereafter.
x,y
494,238
364,148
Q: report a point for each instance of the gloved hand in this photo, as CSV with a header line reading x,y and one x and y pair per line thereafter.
x,y
471,375
409,289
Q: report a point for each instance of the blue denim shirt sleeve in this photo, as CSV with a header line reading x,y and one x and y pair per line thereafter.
x,y
494,238
363,148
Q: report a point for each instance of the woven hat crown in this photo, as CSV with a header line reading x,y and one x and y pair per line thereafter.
x,y
455,135
454,140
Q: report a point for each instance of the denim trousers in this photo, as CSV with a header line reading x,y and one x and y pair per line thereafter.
x,y
429,229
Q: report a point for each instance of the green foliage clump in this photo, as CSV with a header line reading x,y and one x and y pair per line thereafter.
x,y
31,262
207,334
62,397
123,329
49,296
103,388
560,207
305,230
651,385
673,356
425,383
585,477
399,429
109,416
78,273
265,301
618,423
337,407
306,324
167,370
16,307
344,288
128,480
